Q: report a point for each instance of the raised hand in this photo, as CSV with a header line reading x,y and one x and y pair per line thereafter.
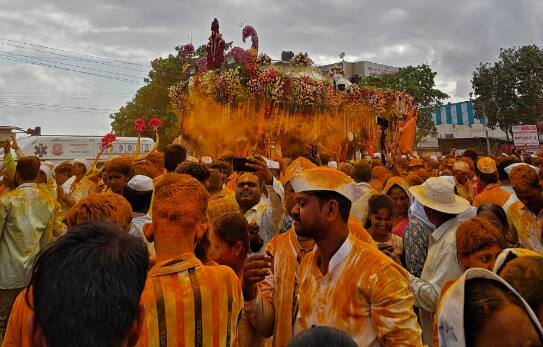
x,y
256,269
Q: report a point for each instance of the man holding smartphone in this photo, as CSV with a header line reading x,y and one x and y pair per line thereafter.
x,y
267,214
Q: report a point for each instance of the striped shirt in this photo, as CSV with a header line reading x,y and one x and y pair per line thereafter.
x,y
190,304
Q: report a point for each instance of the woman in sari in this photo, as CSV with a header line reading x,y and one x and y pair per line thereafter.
x,y
398,190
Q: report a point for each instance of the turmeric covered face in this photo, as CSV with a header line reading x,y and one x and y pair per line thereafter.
x,y
478,244
248,190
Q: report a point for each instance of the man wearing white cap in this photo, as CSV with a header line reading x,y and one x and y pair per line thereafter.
x,y
442,206
138,192
344,283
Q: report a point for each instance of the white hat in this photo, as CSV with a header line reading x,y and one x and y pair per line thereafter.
x,y
450,313
47,171
332,164
460,166
141,183
511,253
207,160
437,193
512,166
81,161
327,179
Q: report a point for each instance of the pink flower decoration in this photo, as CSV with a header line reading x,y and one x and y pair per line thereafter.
x,y
241,56
250,31
139,124
188,49
107,140
155,123
201,65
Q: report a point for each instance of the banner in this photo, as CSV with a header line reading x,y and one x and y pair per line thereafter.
x,y
525,135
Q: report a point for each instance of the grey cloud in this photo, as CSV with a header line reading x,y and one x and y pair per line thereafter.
x,y
451,36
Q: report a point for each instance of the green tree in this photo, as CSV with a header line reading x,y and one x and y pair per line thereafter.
x,y
510,91
419,82
152,100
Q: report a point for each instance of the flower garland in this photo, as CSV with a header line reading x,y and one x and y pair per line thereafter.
x,y
283,98
296,94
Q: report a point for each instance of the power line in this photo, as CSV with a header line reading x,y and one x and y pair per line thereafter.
x,y
53,106
2,106
68,69
60,97
66,64
71,52
52,109
16,94
65,57
47,92
18,102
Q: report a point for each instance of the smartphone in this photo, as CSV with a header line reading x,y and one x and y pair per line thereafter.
x,y
239,164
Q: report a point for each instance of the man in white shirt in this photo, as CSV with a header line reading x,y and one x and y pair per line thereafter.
x,y
267,214
442,208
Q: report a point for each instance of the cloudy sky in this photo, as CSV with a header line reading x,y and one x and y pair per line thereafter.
x,y
102,48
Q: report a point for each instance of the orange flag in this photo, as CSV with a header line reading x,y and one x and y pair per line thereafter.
x,y
407,135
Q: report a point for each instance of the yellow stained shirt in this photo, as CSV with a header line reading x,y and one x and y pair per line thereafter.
x,y
365,294
527,225
277,293
492,194
82,189
190,304
58,224
26,225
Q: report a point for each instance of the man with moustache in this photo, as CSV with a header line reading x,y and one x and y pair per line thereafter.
x,y
270,281
267,214
269,293
343,282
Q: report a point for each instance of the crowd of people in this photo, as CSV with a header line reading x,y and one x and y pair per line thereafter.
x,y
167,251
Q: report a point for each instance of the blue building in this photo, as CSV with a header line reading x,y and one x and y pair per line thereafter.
x,y
458,126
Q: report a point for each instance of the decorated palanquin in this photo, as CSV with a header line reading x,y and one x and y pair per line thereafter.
x,y
238,99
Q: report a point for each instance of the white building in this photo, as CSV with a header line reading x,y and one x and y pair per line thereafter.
x,y
356,70
459,127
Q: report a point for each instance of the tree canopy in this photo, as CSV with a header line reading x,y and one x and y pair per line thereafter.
x,y
152,100
419,82
510,91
